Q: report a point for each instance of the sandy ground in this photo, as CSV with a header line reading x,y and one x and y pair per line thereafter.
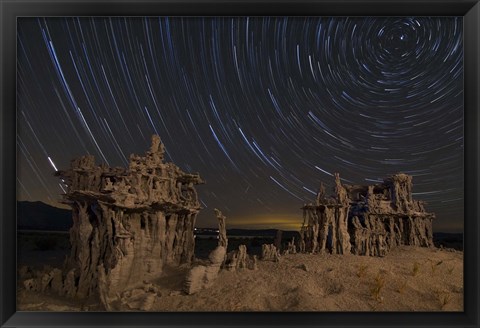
x,y
407,279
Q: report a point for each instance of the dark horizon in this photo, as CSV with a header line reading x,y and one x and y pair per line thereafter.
x,y
263,108
212,227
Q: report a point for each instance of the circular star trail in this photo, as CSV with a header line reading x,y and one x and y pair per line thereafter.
x,y
263,108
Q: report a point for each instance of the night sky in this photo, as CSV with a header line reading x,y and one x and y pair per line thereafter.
x,y
263,108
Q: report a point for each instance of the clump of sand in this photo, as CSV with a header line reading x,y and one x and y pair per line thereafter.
x,y
406,279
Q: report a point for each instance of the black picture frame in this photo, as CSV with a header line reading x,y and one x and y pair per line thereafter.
x,y
10,10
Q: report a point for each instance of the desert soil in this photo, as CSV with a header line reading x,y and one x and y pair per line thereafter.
x,y
407,279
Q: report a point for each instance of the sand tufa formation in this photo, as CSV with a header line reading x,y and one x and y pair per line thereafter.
x,y
127,223
366,220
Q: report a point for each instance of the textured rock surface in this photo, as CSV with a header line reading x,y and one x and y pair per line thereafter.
x,y
385,215
366,220
253,264
30,284
127,223
278,240
291,247
270,253
301,243
41,280
222,228
239,259
69,285
57,281
139,298
194,280
203,276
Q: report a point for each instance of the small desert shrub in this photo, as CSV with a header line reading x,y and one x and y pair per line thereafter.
x,y
374,306
415,269
334,287
443,298
401,286
361,270
377,286
434,266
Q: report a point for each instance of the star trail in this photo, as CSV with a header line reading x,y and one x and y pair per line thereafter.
x,y
264,108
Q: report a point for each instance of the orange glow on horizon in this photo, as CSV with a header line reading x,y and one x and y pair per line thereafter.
x,y
266,221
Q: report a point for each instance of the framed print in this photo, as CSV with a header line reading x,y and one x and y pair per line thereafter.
x,y
175,163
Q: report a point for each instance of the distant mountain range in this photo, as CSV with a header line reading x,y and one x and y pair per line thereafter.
x,y
40,216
